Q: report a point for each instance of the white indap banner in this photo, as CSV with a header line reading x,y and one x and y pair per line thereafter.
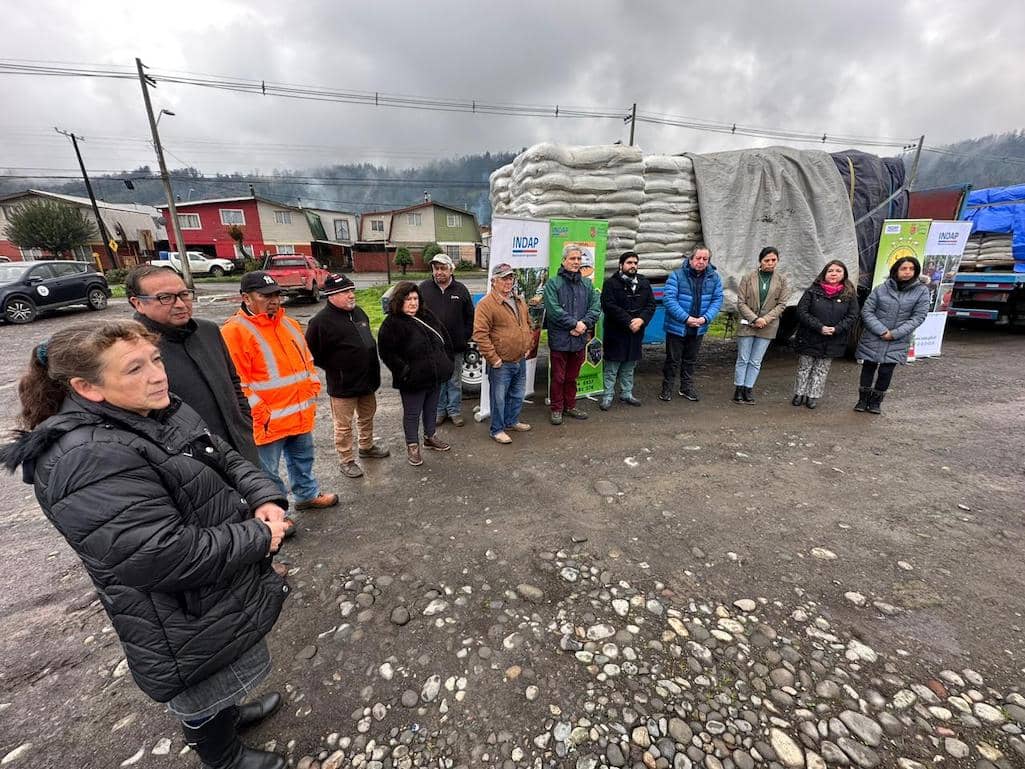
x,y
523,244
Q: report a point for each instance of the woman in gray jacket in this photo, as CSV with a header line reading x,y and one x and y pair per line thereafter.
x,y
894,309
761,298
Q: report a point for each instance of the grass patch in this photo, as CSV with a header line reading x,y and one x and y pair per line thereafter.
x,y
117,291
369,299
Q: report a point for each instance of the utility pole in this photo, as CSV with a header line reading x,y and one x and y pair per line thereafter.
x,y
172,210
914,163
104,236
633,122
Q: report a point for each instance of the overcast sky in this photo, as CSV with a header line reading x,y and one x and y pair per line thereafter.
x,y
950,70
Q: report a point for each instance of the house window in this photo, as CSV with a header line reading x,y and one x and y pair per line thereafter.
x,y
454,220
341,229
232,216
32,254
453,253
189,222
82,254
282,217
415,219
282,249
377,225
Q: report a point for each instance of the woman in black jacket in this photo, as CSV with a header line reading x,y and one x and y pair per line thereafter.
x,y
826,313
174,527
416,347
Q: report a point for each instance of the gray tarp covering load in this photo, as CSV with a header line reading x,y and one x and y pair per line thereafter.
x,y
777,196
875,179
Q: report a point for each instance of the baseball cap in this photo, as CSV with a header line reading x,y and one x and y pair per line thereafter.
x,y
442,259
336,284
258,282
502,270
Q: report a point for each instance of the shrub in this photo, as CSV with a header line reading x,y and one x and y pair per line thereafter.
x,y
116,277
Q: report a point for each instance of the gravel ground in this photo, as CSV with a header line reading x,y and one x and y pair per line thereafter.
x,y
683,584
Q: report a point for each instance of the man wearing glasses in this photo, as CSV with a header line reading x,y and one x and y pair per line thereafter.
x,y
199,368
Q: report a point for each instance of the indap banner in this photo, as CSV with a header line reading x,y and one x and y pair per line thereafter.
x,y
523,244
944,248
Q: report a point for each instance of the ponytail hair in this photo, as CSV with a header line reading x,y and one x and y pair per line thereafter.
x,y
71,353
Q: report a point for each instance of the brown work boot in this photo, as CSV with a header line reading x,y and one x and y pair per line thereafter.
x,y
374,452
318,502
457,420
437,445
413,454
351,469
521,427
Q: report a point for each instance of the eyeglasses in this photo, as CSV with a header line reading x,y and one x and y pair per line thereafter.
x,y
168,299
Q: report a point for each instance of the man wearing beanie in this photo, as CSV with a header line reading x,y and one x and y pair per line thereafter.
x,y
629,305
341,342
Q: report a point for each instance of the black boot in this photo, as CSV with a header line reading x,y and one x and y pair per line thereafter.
x,y
864,393
667,391
253,712
875,402
797,400
738,394
217,744
748,396
811,402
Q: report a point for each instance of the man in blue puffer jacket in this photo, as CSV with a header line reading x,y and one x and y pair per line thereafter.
x,y
572,309
692,299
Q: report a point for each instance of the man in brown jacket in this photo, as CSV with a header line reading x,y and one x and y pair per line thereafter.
x,y
501,330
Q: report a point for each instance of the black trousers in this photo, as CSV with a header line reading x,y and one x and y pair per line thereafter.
x,y
868,373
682,355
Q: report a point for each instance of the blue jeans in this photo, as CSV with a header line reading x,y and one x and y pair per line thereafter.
x,y
750,351
624,372
508,385
298,451
450,399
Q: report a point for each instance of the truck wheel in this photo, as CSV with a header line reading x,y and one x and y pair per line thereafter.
x,y
473,370
315,293
216,272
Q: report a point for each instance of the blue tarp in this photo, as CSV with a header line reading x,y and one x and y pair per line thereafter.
x,y
1000,209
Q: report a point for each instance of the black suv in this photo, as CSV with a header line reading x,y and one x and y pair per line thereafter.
x,y
28,288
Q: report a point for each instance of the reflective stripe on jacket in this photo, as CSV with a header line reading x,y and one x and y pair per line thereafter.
x,y
276,368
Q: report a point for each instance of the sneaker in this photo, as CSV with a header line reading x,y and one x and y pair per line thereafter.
x,y
576,413
374,452
457,420
413,454
556,418
437,445
351,470
630,400
521,427
605,404
502,437
665,395
441,419
318,502
690,394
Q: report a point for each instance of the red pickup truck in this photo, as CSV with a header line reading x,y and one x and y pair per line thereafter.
x,y
298,275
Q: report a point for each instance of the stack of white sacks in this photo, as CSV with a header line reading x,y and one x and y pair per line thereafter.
x,y
650,202
988,251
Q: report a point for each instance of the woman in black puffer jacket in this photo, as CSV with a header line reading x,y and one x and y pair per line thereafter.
x,y
414,344
826,313
173,526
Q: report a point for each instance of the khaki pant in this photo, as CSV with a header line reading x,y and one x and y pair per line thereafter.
x,y
342,410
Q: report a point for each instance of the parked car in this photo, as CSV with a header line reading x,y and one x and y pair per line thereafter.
x,y
201,265
29,288
298,275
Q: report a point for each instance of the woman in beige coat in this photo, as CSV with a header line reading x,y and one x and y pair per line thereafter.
x,y
761,298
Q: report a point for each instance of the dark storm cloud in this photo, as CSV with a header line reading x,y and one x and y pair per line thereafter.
x,y
948,70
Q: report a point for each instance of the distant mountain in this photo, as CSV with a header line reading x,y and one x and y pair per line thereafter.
x,y
989,161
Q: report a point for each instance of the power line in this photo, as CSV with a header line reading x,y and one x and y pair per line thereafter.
x,y
973,156
314,181
436,104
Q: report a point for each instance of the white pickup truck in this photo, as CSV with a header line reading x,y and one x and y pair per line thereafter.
x,y
200,264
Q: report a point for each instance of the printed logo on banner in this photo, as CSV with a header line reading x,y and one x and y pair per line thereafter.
x,y
525,246
892,229
948,238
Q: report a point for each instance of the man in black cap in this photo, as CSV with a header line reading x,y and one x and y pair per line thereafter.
x,y
341,342
450,301
629,305
280,381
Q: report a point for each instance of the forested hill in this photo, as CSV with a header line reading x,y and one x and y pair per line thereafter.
x,y
989,161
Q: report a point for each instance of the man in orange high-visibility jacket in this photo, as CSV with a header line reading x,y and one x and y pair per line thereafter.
x,y
278,377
